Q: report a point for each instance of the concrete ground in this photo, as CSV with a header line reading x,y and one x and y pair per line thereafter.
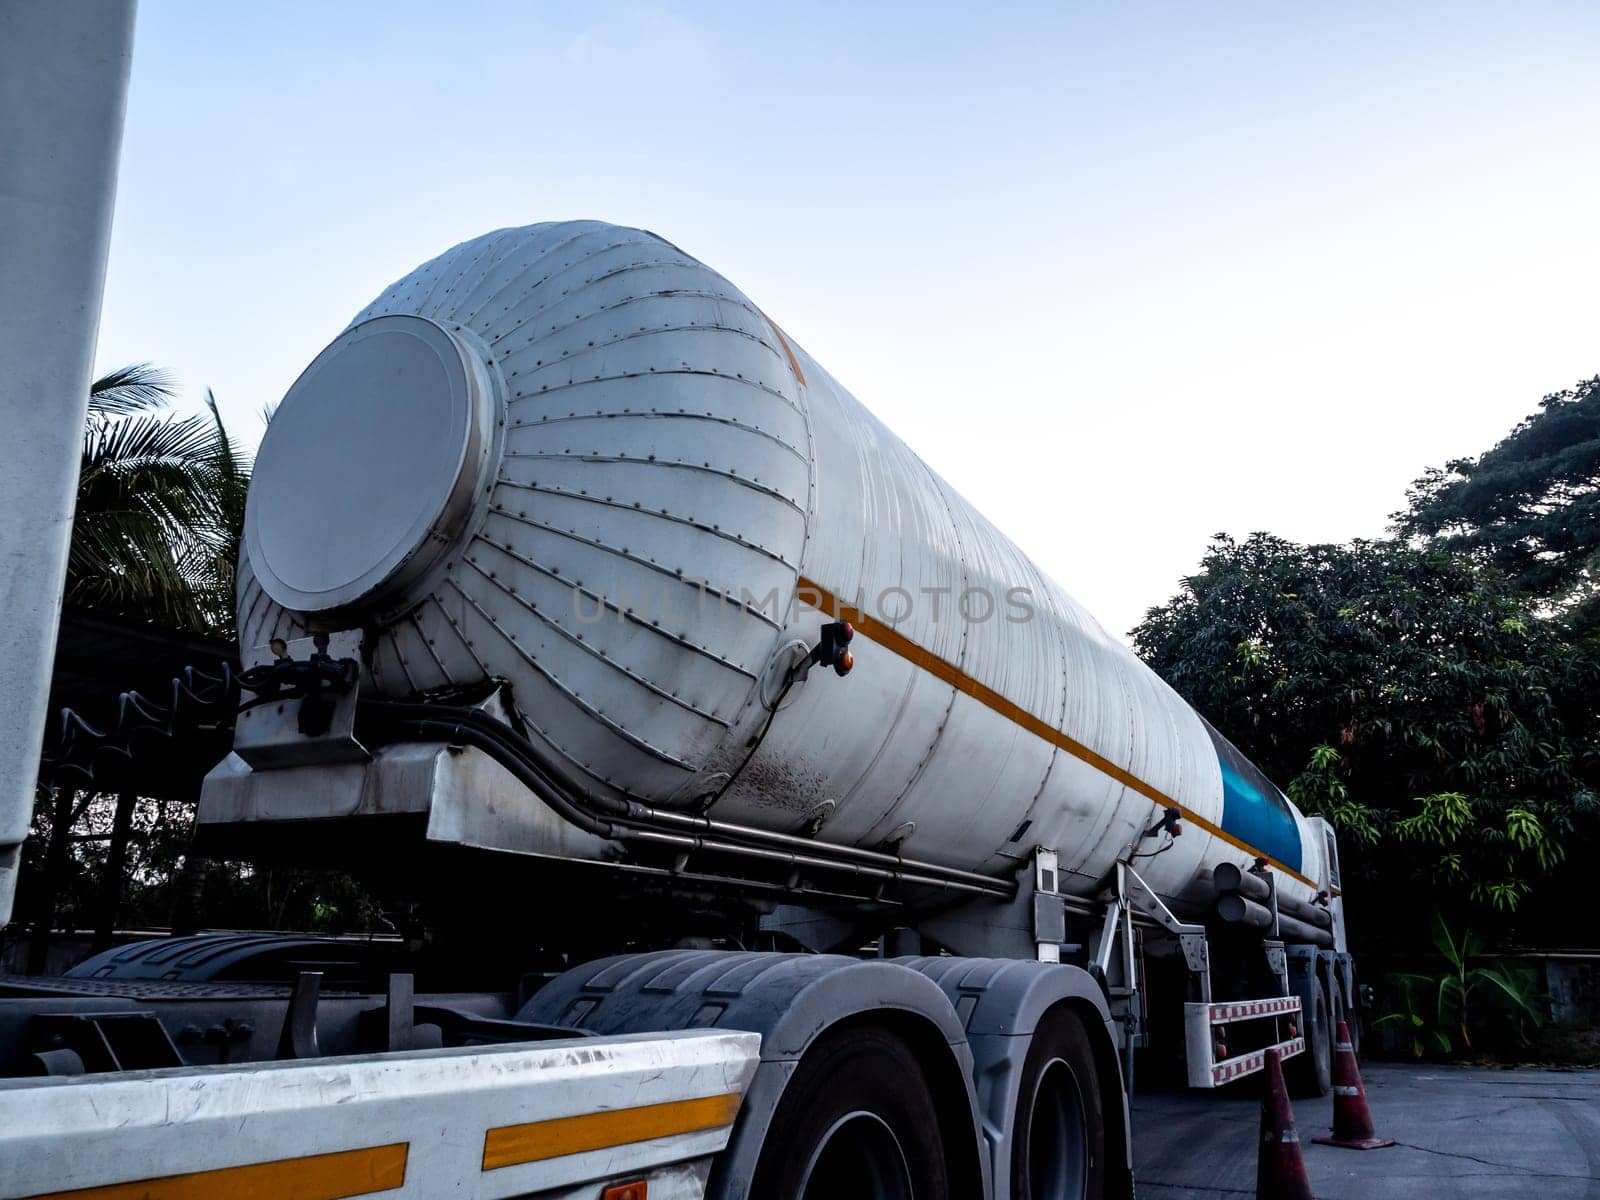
x,y
1462,1132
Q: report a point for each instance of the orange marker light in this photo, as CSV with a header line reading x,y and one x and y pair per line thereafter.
x,y
846,661
637,1190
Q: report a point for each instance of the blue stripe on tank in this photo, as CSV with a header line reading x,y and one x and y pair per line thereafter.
x,y
1258,818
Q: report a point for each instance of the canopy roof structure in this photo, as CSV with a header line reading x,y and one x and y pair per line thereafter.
x,y
113,724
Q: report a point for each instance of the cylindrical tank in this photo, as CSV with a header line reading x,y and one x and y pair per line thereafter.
x,y
571,457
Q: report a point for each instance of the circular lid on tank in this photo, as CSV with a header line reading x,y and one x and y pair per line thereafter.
x,y
371,467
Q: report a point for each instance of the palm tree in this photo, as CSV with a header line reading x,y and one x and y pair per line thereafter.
x,y
155,536
160,507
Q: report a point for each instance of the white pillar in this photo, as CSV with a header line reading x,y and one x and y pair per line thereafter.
x,y
63,89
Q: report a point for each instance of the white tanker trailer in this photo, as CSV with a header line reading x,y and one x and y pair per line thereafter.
x,y
611,640
571,458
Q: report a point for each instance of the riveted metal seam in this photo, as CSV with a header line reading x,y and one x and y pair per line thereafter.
x,y
590,648
660,414
427,643
626,614
720,297
633,335
578,701
455,626
555,331
669,463
497,239
701,586
659,514
572,293
651,373
529,288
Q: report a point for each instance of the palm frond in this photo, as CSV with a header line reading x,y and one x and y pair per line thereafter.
x,y
123,561
139,388
231,466
160,507
129,441
1517,992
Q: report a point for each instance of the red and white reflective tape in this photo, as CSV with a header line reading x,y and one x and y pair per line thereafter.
x,y
1243,1010
1248,1064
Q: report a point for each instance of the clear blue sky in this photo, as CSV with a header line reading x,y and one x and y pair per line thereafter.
x,y
1126,274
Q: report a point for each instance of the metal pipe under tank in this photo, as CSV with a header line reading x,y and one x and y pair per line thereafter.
x,y
1228,877
1237,910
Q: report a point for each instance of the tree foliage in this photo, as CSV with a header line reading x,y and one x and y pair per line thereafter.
x,y
1529,507
160,507
1411,696
235,895
1438,1013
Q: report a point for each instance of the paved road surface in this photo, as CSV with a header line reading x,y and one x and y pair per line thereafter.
x,y
1464,1132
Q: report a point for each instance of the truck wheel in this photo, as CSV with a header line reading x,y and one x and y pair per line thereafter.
x,y
1058,1142
856,1122
1350,1016
1309,1075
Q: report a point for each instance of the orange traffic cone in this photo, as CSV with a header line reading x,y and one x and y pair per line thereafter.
x,y
1280,1171
1352,1120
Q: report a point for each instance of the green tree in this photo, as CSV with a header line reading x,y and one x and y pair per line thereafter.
x,y
1411,696
160,507
1530,506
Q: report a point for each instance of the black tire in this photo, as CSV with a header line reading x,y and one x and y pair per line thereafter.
x,y
1309,1075
1058,1144
856,1122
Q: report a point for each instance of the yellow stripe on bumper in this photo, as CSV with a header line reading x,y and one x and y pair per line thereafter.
x,y
512,1145
314,1177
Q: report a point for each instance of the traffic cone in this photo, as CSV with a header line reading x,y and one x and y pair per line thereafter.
x,y
1280,1171
1352,1120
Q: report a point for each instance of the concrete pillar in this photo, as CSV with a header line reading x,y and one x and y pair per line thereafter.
x,y
63,90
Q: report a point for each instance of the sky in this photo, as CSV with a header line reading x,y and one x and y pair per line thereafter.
x,y
1126,274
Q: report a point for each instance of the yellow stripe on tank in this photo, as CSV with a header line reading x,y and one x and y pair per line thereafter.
x,y
890,639
794,363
